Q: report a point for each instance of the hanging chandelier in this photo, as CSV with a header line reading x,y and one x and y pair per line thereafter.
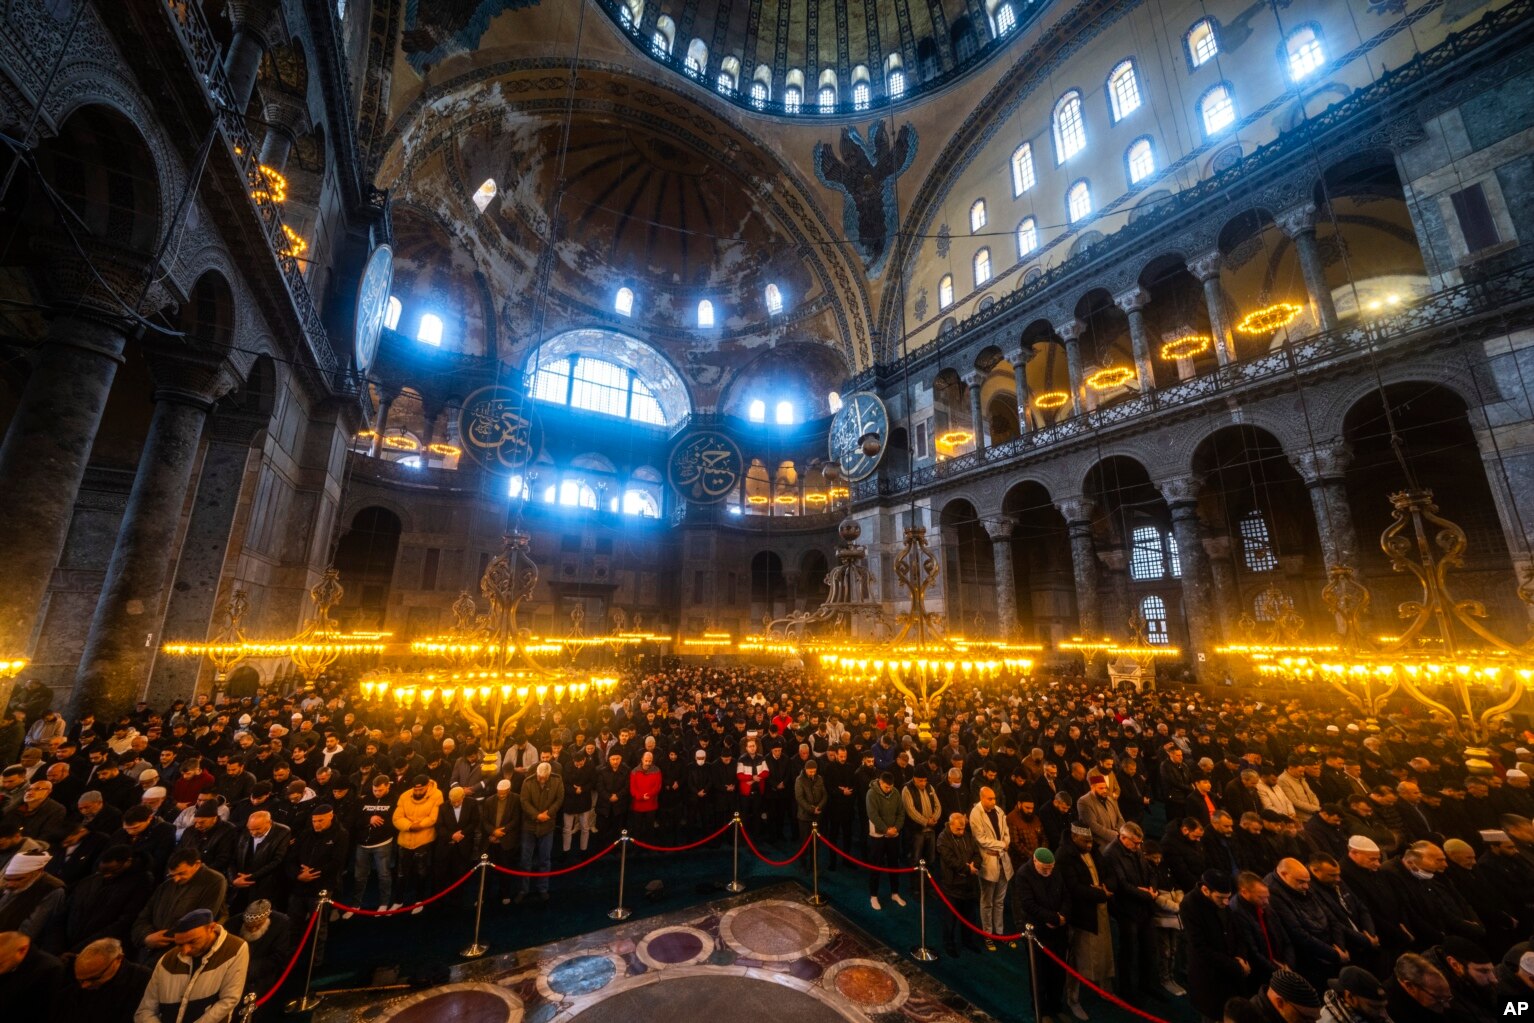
x,y
1269,318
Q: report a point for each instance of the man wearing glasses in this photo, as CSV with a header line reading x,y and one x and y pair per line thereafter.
x,y
102,985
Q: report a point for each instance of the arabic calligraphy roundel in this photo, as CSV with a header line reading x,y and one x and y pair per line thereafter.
x,y
861,414
705,466
500,429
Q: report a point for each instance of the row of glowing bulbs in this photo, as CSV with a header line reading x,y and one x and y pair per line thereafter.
x,y
810,497
429,693
1427,672
401,442
923,665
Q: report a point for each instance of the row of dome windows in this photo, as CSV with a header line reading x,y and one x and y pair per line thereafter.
x,y
772,296
1217,113
1003,20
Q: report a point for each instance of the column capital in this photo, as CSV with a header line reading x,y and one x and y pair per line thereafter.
x,y
96,284
285,112
1323,463
1217,546
975,378
252,15
1297,220
1024,355
1134,299
1069,331
1113,558
999,529
1075,509
1180,491
188,376
1206,266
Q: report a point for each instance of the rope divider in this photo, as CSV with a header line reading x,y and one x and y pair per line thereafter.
x,y
572,868
297,951
413,906
775,863
866,866
681,848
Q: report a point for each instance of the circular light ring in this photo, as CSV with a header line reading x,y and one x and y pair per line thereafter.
x,y
1186,346
399,442
756,499
785,499
837,493
1269,319
1049,400
446,450
954,438
1113,376
815,498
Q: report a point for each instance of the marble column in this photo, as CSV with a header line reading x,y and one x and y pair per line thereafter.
x,y
1020,382
385,402
1000,532
252,21
1227,595
125,635
1299,224
1070,333
199,585
1078,526
285,116
1117,603
976,383
43,460
1322,468
1133,302
1207,269
1181,494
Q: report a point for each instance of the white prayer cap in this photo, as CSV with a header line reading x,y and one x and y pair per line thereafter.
x,y
503,785
154,792
1363,843
1515,773
26,863
1526,964
1494,836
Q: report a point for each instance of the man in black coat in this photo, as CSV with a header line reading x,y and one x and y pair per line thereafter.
x,y
1215,972
958,863
101,985
257,869
1432,908
1183,854
29,977
457,836
315,859
1039,898
1317,937
105,904
213,838
1132,880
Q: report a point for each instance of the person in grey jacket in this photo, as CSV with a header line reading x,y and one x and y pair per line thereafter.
x,y
886,816
809,802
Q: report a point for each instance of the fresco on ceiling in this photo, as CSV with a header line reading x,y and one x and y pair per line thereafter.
x,y
864,172
438,29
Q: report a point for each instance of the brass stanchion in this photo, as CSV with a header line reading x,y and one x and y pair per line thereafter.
x,y
815,899
620,911
735,884
247,1007
1033,969
475,950
308,1001
921,952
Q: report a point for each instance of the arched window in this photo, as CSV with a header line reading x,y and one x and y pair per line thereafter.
x,y
783,415
430,330
697,58
1217,109
758,94
1070,129
516,488
861,95
665,35
1256,545
1202,43
982,267
1078,201
631,12
705,313
894,85
1023,177
623,303
484,194
391,313
977,216
729,76
1305,52
793,91
1123,91
597,385
1004,19
1153,610
774,300
1141,160
945,291
1027,237
577,494
834,402
551,495
640,502
827,99
757,411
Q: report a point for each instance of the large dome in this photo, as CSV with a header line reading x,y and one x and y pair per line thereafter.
x,y
781,56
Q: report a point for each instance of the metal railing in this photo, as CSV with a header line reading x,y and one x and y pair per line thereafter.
x,y
1497,303
205,56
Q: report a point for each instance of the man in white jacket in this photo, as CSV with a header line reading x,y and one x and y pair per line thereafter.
x,y
200,978
989,826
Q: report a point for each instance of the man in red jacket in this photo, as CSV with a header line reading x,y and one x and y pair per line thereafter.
x,y
644,797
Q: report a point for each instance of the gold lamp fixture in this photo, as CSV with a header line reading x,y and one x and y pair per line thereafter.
x,y
1051,400
1113,376
1186,346
1269,318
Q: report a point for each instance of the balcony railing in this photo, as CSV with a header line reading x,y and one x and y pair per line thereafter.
x,y
1498,303
204,54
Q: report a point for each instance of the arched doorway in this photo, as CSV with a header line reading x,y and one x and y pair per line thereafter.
x,y
1041,566
969,571
365,557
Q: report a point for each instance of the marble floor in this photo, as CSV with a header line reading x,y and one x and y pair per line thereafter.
x,y
766,952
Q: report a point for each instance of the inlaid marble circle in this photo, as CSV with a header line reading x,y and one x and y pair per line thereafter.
x,y
774,931
577,974
870,985
674,946
459,1003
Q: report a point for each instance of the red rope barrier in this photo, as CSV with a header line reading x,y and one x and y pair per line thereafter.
x,y
413,906
682,848
866,866
562,870
964,920
775,863
313,918
1104,995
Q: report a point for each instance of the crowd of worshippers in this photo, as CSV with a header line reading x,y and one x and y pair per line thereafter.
x,y
1281,861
